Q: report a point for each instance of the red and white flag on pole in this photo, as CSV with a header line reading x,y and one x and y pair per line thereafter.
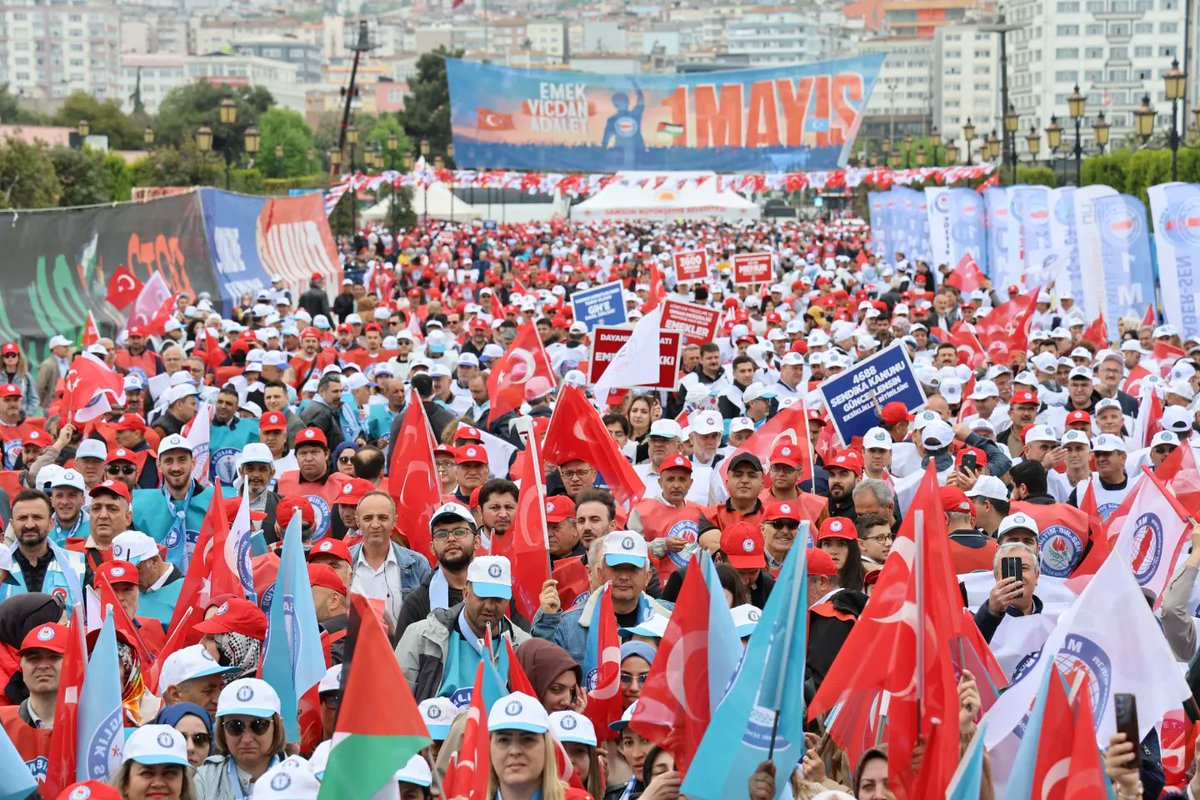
x,y
153,306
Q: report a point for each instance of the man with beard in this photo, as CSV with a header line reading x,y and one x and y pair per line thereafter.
x,y
455,538
70,517
174,513
229,436
497,507
36,566
844,471
744,483
256,469
137,355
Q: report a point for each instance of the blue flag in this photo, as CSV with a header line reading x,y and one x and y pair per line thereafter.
x,y
768,686
352,426
16,780
101,736
969,776
293,661
724,645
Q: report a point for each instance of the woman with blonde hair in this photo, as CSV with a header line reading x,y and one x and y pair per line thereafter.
x,y
155,766
249,741
522,751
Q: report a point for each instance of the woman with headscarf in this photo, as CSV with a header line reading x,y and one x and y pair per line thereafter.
x,y
140,705
196,726
18,616
250,740
557,680
343,456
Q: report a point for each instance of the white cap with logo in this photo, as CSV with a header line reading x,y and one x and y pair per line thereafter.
x,y
571,726
518,712
877,439
625,547
290,779
156,744
490,576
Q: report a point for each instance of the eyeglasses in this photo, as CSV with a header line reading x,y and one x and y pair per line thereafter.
x,y
1164,449
201,739
575,474
331,700
235,727
457,533
115,470
781,525
627,678
11,355
880,537
345,460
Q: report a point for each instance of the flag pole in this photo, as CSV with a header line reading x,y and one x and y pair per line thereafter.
x,y
919,535
774,697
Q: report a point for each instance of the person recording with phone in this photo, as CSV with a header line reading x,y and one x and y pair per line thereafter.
x,y
1136,769
1016,569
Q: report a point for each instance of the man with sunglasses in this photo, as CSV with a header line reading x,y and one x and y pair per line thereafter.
x,y
780,524
455,537
124,466
130,433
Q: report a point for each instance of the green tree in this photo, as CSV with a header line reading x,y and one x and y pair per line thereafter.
x,y
171,167
105,118
186,108
374,132
82,174
12,113
426,113
27,178
282,126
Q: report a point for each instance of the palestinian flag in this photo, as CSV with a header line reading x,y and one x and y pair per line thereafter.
x,y
378,726
670,128
91,332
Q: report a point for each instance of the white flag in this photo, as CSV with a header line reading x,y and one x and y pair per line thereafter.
x,y
1152,536
1111,640
199,437
636,363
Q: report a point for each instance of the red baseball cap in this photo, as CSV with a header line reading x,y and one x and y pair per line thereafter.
x,y
112,487
89,790
1077,416
309,331
330,547
781,509
443,450
1024,397
676,461
10,347
980,456
325,575
955,501
344,328
118,572
273,421
10,390
468,433
847,459
136,330
816,416
559,507
742,543
894,413
478,324
122,454
837,528
470,454
352,491
316,276
236,615
787,454
820,563
130,422
288,507
51,636
311,436
36,437
233,505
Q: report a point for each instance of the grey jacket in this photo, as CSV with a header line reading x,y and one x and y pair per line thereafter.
x,y
568,629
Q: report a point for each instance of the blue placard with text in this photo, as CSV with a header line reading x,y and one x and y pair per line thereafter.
x,y
600,305
855,397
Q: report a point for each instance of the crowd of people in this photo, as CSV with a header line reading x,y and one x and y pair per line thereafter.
x,y
305,395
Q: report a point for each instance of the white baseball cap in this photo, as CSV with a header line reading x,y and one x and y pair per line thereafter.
x,y
1075,437
179,391
59,341
1041,433
952,390
451,511
249,696
1177,419
518,712
156,744
937,434
92,448
653,627
705,423
745,619
1164,437
416,771
741,424
924,418
571,726
173,442
1108,443
665,429
1018,521
189,663
877,439
625,547
255,453
755,391
290,779
69,478
134,547
438,714
331,681
490,576
983,390
1112,402
989,486
275,358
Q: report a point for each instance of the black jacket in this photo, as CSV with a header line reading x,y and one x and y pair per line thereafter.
x,y
315,302
323,416
343,306
827,634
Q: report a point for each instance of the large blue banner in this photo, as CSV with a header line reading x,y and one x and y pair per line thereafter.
x,y
956,226
1176,210
1003,268
779,119
856,397
910,220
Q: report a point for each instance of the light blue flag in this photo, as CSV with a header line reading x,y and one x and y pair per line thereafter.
x,y
724,645
352,426
100,739
16,779
768,687
293,661
1020,778
969,776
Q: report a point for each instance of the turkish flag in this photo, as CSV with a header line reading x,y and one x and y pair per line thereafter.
x,y
657,291
123,288
1148,319
153,306
604,698
1166,355
572,579
91,388
1053,761
1182,477
62,757
467,775
488,120
1008,322
789,426
91,332
1178,747
525,544
412,476
1133,382
1097,333
209,349
516,370
966,277
576,433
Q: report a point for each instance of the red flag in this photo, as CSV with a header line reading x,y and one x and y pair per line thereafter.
x,y
883,654
572,579
62,757
673,708
467,775
123,288
412,476
655,296
91,331
1008,322
485,118
604,698
974,655
525,544
1166,351
153,306
791,426
1098,546
1097,333
175,641
576,433
518,681
1180,473
966,277
521,365
204,577
1053,762
1086,778
209,349
1148,318
1148,420
1178,747
1133,381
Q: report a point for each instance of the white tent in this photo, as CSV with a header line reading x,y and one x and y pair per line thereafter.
x,y
438,202
627,199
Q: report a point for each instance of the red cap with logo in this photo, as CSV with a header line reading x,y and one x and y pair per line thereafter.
x,y
352,491
89,790
848,460
836,528
233,505
289,506
470,454
468,433
781,509
1024,397
742,543
51,636
236,615
130,422
310,331
10,347
676,461
10,390
36,438
820,563
955,501
894,413
311,436
786,454
559,507
443,450
273,421
980,456
334,548
118,572
1079,416
112,487
325,575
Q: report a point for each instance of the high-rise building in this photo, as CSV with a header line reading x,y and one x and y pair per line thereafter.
x,y
53,48
966,84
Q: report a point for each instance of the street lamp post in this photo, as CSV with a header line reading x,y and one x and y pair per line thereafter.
x,y
1054,134
951,153
1144,119
969,134
1176,86
425,189
1012,123
1033,141
148,137
83,128
393,144
1100,129
1076,104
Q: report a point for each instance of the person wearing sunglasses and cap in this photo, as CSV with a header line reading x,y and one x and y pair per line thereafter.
x,y
155,766
250,740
